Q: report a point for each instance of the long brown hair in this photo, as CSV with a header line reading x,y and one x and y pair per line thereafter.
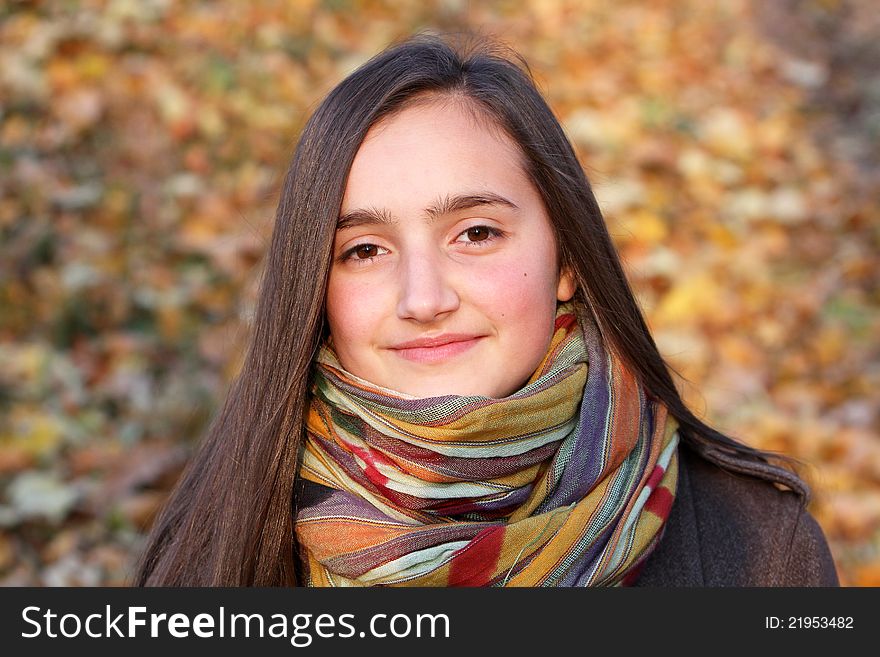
x,y
229,522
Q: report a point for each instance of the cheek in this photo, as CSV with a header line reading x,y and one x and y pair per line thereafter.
x,y
348,320
518,290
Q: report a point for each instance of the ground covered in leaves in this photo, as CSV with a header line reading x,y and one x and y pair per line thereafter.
x,y
734,147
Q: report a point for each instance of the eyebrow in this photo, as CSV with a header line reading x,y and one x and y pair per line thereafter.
x,y
443,206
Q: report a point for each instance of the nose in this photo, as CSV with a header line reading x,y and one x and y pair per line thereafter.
x,y
426,292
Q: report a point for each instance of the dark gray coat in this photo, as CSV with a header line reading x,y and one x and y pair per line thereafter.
x,y
727,529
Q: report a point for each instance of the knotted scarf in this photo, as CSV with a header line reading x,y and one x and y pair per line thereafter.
x,y
566,482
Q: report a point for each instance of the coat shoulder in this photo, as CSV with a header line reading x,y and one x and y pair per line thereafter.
x,y
731,529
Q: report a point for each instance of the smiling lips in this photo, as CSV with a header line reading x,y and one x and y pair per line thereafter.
x,y
436,349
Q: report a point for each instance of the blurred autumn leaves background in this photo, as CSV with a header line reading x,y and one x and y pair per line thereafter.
x,y
734,147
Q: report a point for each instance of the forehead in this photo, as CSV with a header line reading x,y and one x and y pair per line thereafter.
x,y
452,105
434,147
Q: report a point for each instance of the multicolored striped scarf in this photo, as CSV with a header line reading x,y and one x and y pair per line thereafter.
x,y
566,482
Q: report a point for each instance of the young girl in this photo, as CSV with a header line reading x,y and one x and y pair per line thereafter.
x,y
449,382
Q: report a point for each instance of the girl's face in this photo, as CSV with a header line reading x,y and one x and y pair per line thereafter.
x,y
445,275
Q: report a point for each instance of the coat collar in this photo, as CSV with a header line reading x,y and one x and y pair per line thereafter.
x,y
677,561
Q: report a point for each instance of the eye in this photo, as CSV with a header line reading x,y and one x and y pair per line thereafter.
x,y
363,252
477,234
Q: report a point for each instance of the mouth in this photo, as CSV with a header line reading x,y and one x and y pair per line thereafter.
x,y
436,349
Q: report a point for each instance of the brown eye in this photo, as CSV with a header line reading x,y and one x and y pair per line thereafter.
x,y
365,251
478,233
